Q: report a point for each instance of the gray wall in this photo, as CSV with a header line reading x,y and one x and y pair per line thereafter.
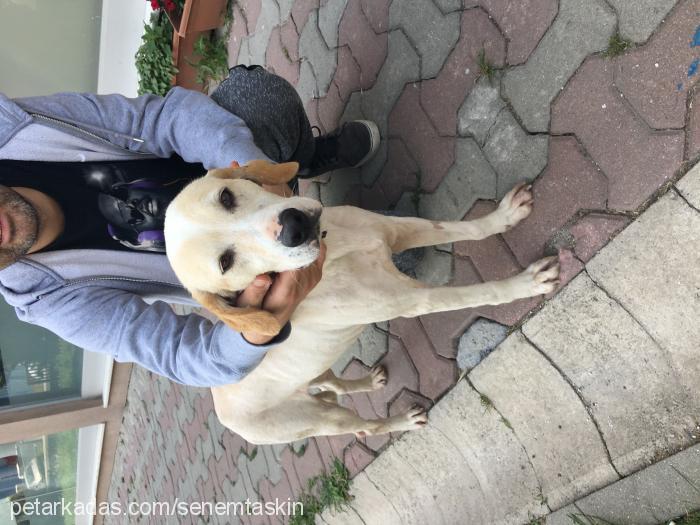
x,y
48,46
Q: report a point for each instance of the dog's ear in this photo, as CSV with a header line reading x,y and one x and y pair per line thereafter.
x,y
246,319
260,171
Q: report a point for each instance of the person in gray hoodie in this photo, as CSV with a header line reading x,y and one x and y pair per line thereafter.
x,y
71,164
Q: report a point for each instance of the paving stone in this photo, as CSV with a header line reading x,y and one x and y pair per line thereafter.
x,y
260,37
401,67
433,154
301,9
471,177
306,87
441,96
582,27
634,159
372,170
369,348
445,328
548,418
689,187
357,457
251,13
369,504
405,489
523,24
309,464
693,127
515,155
347,73
478,341
368,48
562,516
237,34
435,268
435,374
640,407
639,18
312,48
637,498
593,231
402,374
287,462
406,205
328,20
447,6
448,491
478,113
400,172
377,14
506,484
570,183
433,33
656,246
330,108
334,193
278,60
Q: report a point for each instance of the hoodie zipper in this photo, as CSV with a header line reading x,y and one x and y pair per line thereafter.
x,y
92,135
76,282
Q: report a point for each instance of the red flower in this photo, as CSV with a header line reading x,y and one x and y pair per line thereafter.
x,y
169,5
155,5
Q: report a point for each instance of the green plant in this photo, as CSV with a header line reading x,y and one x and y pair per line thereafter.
x,y
486,68
324,491
213,58
154,59
692,518
617,45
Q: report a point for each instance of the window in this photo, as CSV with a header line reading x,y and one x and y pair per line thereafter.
x,y
35,365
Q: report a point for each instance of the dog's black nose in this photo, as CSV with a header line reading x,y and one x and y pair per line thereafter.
x,y
297,227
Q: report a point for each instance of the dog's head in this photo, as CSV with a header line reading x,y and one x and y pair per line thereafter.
x,y
223,230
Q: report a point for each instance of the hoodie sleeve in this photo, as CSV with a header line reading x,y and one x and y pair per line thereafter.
x,y
188,349
184,122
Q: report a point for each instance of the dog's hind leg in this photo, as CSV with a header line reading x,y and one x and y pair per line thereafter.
x,y
304,415
410,232
329,382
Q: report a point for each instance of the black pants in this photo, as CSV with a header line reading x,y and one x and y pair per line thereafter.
x,y
272,109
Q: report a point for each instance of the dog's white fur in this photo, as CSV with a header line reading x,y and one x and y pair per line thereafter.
x,y
292,394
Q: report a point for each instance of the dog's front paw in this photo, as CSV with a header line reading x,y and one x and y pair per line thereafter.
x,y
416,417
379,377
514,207
541,277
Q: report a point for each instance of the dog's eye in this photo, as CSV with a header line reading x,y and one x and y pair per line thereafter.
x,y
227,199
226,261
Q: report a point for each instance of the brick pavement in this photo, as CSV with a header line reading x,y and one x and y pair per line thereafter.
x,y
598,135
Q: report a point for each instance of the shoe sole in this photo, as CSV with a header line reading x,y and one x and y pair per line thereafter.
x,y
374,137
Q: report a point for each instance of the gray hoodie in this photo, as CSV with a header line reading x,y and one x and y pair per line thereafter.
x,y
112,301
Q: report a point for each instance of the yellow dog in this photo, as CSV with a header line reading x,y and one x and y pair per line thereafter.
x,y
224,229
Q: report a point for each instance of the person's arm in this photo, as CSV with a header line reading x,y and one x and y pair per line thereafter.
x,y
184,122
188,349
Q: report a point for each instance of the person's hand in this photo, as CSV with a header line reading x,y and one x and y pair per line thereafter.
x,y
282,295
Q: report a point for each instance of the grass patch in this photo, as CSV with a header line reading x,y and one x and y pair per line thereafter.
x,y
617,45
325,491
693,518
486,68
485,401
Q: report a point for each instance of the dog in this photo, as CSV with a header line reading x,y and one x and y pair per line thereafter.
x,y
224,229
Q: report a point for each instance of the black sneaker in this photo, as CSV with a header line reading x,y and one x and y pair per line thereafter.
x,y
349,146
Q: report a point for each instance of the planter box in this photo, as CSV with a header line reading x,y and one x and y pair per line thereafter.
x,y
183,50
197,16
